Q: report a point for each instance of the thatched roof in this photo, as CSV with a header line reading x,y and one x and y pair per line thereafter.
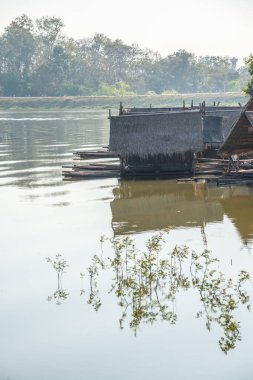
x,y
201,107
151,134
129,111
240,138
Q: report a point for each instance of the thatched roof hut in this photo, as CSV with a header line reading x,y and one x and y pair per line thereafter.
x,y
240,139
151,134
215,130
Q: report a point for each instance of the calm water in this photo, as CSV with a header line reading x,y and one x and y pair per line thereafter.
x,y
48,329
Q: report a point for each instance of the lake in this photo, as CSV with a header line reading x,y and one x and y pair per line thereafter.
x,y
70,310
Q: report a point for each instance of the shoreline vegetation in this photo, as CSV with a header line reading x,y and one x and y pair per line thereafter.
x,y
106,102
37,59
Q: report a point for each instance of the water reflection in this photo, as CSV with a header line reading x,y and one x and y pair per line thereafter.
x,y
147,284
238,206
34,145
153,205
59,264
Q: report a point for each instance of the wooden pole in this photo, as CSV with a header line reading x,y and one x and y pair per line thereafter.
x,y
120,108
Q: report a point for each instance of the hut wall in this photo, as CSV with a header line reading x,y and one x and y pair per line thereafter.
x,y
150,135
212,129
159,164
229,117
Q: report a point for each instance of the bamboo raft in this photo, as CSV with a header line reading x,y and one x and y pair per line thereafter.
x,y
215,171
105,164
95,154
95,174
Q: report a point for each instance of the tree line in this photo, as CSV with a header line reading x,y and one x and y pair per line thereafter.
x,y
36,59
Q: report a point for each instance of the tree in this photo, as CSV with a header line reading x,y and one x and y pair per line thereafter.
x,y
36,59
216,72
48,32
49,78
249,87
17,48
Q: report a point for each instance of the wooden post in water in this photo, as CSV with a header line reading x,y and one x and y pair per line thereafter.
x,y
120,108
203,108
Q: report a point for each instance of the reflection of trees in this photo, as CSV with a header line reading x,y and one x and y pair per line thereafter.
x,y
146,284
59,264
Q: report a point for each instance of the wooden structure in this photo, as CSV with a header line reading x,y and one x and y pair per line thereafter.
x,y
228,116
156,143
240,139
212,130
220,127
164,142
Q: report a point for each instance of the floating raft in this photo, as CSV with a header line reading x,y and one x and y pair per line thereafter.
x,y
240,177
92,170
89,174
88,154
94,166
209,170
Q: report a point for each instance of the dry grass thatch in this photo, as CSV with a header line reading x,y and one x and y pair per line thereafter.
x,y
147,135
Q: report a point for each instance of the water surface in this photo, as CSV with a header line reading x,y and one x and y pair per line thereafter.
x,y
50,335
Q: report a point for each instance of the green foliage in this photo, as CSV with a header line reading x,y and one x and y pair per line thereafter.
x,y
38,60
248,89
119,88
146,284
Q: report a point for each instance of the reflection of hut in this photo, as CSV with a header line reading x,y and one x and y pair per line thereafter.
x,y
156,142
239,208
240,138
155,205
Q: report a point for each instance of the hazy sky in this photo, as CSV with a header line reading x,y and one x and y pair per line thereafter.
x,y
213,27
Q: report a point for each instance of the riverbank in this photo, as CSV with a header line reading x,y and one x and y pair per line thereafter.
x,y
105,102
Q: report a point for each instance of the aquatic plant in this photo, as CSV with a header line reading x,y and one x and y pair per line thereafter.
x,y
59,264
147,282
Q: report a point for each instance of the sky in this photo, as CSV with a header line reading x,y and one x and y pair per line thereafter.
x,y
217,27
